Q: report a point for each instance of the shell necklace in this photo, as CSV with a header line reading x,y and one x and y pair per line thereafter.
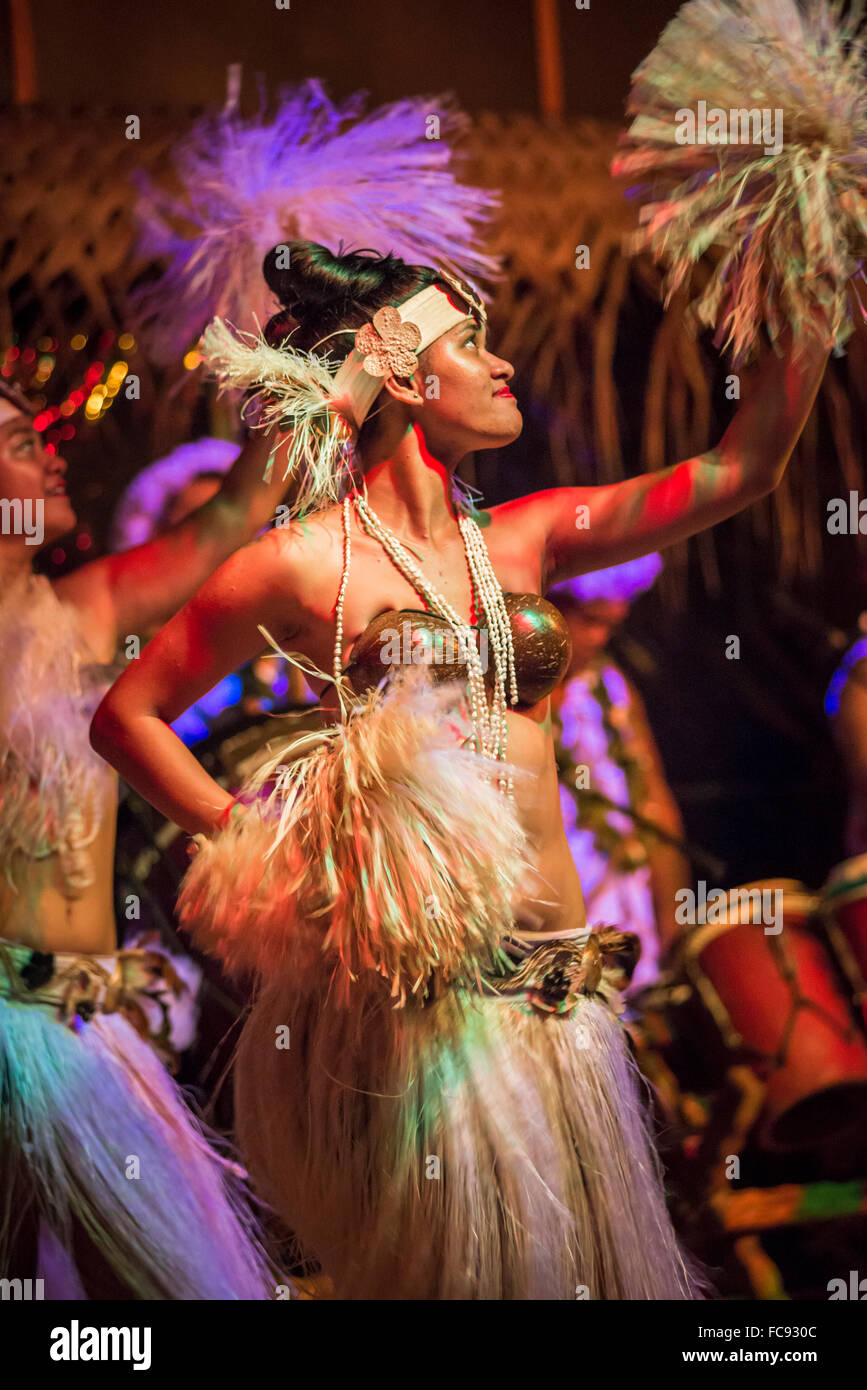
x,y
490,729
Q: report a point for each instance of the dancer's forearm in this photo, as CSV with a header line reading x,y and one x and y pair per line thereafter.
x,y
245,502
585,528
761,437
151,757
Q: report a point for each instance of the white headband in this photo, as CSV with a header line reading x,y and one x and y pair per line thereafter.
x,y
390,345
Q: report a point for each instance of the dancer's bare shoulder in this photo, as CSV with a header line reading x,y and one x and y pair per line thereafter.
x,y
513,544
302,559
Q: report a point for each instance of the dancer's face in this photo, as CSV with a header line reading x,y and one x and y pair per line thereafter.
x,y
466,400
29,473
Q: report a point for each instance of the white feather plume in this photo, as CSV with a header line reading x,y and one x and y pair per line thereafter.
x,y
292,391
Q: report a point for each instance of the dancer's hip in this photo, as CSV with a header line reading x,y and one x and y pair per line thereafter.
x,y
552,971
140,985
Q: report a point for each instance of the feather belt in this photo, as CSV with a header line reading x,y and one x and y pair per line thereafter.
x,y
552,976
72,988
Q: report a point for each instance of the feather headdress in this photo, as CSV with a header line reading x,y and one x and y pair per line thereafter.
x,y
787,206
314,171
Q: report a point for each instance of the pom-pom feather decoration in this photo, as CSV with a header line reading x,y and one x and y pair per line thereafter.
x,y
782,192
314,171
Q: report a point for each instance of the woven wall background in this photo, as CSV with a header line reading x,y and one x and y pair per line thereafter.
x,y
619,384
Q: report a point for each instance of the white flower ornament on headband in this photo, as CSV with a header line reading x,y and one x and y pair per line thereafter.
x,y
389,343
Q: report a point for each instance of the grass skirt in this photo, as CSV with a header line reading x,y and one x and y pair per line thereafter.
x,y
99,1152
472,1148
431,1119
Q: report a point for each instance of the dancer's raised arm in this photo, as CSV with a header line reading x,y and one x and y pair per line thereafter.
x,y
137,590
586,528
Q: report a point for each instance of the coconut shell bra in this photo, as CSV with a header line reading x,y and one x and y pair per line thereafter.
x,y
540,637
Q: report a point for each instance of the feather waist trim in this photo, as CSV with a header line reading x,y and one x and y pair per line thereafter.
x,y
380,845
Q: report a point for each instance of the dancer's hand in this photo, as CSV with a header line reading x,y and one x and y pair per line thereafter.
x,y
233,810
816,337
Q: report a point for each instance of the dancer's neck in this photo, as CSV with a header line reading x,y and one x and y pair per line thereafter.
x,y
410,490
16,563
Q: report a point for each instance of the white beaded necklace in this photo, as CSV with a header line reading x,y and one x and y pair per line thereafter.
x,y
489,720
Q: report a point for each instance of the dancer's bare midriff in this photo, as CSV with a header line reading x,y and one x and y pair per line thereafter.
x,y
35,910
550,897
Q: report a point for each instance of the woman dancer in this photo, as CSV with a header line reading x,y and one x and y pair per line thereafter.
x,y
79,1090
433,1087
83,1091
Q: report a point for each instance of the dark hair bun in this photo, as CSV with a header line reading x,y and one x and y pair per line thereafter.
x,y
279,328
277,269
323,292
304,274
